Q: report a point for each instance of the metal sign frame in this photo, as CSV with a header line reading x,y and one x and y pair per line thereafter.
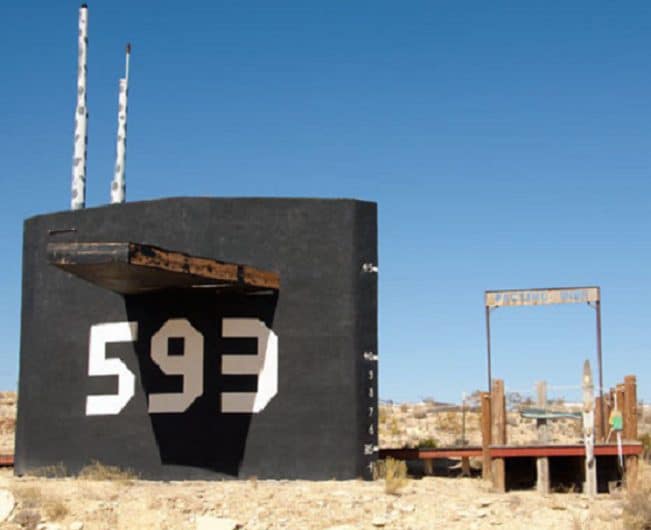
x,y
546,296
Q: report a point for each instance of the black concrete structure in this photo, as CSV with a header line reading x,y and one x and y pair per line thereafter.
x,y
197,404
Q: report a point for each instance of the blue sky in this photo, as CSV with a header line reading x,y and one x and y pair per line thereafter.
x,y
507,144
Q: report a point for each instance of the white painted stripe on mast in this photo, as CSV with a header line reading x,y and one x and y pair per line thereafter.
x,y
118,186
78,198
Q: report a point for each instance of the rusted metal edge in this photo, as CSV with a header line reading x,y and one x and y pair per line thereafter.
x,y
169,260
83,258
433,453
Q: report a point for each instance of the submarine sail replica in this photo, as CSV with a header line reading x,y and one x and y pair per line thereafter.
x,y
197,337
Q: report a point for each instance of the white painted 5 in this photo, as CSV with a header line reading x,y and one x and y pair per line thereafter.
x,y
98,364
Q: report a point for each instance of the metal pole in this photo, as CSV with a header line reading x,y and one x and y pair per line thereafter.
x,y
601,374
78,199
590,485
118,186
488,346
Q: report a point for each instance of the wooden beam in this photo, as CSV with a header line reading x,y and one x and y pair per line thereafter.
x,y
630,429
620,400
442,453
486,435
498,434
521,451
598,434
630,408
465,466
542,463
608,407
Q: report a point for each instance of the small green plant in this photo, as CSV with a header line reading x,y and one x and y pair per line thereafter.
x,y
427,443
395,475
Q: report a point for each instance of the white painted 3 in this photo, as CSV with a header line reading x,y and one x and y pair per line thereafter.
x,y
264,363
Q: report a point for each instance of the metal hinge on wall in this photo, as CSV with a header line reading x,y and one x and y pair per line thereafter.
x,y
370,356
369,267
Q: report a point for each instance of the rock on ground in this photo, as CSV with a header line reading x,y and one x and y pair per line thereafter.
x,y
7,503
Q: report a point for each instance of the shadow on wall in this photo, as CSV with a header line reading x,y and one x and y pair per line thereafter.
x,y
194,407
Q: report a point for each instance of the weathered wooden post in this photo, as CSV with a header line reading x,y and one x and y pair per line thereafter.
x,y
542,463
630,427
620,402
598,433
590,485
608,408
498,434
486,435
465,461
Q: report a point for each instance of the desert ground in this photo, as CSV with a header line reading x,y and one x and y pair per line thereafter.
x,y
114,499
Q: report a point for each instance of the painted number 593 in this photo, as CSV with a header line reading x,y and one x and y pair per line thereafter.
x,y
264,364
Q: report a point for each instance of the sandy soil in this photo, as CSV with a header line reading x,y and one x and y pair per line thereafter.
x,y
427,503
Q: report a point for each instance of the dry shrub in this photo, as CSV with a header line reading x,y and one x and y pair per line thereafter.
x,y
450,422
394,429
382,415
32,501
29,497
55,509
27,519
53,471
645,439
637,503
98,471
7,425
420,414
395,475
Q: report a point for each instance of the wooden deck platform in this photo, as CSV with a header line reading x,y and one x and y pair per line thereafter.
x,y
509,451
